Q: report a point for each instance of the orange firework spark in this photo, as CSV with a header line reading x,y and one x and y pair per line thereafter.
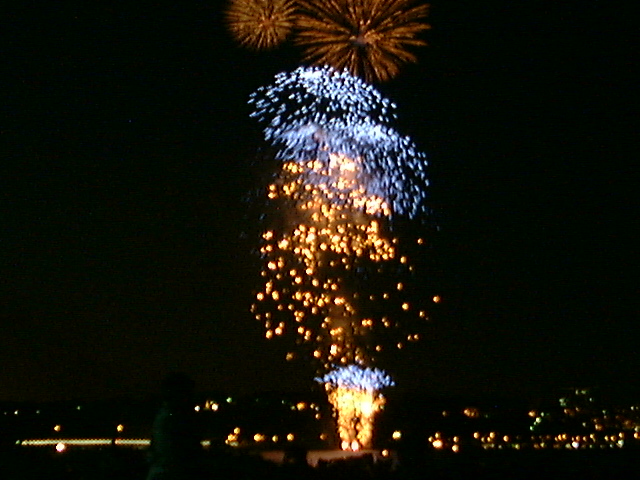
x,y
260,24
367,37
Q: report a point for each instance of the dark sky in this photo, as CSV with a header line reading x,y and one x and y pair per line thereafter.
x,y
126,150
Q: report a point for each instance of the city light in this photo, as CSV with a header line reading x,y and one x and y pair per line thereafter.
x,y
576,424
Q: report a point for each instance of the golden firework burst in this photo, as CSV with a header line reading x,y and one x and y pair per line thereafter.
x,y
260,24
368,37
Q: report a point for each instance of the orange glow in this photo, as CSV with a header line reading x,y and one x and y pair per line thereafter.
x,y
355,413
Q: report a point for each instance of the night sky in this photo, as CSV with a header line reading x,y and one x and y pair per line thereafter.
x,y
127,153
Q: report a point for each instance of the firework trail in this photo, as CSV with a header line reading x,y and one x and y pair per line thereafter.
x,y
344,174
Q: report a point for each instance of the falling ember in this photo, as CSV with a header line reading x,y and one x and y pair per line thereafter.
x,y
314,252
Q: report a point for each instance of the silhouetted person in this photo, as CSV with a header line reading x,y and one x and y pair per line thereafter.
x,y
176,452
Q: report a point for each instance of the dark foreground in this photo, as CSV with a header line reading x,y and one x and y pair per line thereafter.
x,y
25,464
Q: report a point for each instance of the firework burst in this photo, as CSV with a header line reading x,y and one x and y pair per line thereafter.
x,y
343,175
314,111
260,24
370,38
